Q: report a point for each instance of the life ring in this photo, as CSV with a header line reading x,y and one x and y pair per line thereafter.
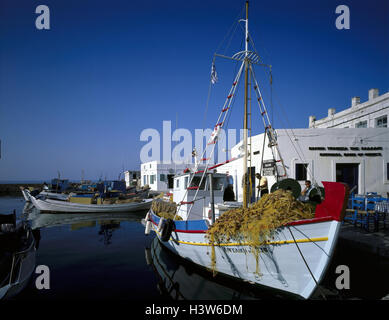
x,y
167,229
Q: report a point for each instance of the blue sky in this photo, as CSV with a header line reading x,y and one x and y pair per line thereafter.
x,y
76,97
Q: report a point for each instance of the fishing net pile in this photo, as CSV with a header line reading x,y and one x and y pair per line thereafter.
x,y
165,209
255,225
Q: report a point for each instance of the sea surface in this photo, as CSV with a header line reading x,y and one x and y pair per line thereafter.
x,y
108,256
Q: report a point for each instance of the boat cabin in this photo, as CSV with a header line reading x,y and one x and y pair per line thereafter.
x,y
185,188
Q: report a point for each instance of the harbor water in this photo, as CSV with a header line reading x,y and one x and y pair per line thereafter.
x,y
108,256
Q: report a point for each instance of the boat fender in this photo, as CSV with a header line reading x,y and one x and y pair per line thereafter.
x,y
167,230
148,223
160,224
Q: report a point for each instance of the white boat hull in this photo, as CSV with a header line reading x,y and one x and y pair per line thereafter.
x,y
293,260
280,264
50,205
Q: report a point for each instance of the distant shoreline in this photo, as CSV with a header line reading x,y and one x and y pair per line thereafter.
x,y
12,189
21,182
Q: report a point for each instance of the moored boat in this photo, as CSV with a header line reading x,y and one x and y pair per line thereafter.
x,y
295,255
50,205
294,261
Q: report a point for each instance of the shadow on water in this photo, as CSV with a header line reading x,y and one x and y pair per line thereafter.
x,y
90,256
179,279
368,273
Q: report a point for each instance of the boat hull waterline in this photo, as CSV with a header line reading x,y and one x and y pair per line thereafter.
x,y
280,264
294,260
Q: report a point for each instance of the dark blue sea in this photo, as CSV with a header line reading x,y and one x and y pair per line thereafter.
x,y
106,256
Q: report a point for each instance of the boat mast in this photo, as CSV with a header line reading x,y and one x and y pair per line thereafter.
x,y
246,69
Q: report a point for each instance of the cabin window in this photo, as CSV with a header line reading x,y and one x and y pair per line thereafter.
x,y
361,124
186,181
177,183
218,183
301,171
381,122
196,182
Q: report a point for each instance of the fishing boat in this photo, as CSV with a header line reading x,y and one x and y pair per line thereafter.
x,y
52,206
17,255
296,256
49,194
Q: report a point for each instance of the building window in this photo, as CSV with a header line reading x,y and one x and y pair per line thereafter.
x,y
301,171
144,180
177,183
361,124
381,122
152,179
162,177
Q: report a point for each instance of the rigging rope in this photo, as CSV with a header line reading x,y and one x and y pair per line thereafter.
x,y
306,264
219,124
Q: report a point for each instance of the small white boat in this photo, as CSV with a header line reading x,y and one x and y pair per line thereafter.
x,y
50,205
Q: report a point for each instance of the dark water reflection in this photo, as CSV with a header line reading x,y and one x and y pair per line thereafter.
x,y
107,256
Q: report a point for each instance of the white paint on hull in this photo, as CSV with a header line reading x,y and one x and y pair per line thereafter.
x,y
50,205
280,263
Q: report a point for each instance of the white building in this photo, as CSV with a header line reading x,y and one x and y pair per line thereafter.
x,y
350,146
159,176
131,178
370,114
359,157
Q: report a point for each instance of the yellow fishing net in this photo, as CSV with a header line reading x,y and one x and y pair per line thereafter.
x,y
165,209
255,225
